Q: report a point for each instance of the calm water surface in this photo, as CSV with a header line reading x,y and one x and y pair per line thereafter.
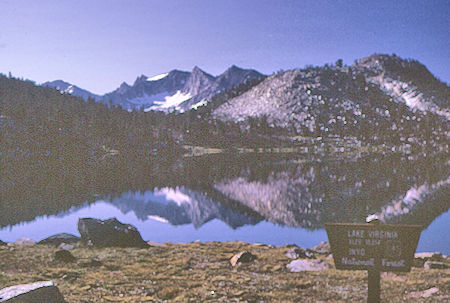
x,y
253,198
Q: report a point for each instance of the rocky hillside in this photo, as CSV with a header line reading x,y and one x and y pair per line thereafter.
x,y
377,95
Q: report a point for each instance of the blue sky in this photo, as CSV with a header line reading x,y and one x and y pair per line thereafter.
x,y
99,44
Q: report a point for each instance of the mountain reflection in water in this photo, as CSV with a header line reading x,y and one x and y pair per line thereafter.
x,y
235,189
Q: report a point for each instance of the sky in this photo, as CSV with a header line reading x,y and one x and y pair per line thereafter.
x,y
98,44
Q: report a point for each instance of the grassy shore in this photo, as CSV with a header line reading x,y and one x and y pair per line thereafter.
x,y
201,272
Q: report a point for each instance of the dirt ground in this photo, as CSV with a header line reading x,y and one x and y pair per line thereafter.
x,y
201,272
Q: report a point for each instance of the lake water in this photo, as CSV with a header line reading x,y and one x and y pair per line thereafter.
x,y
272,199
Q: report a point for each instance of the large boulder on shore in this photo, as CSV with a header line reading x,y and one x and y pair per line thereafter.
x,y
109,233
44,291
307,265
58,239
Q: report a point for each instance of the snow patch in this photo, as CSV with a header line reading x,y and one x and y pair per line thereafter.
x,y
148,99
158,218
157,77
403,92
173,101
201,103
175,195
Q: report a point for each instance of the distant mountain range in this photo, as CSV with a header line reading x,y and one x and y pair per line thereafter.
x,y
173,91
379,96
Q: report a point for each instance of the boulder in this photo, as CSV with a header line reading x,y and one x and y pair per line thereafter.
x,y
242,257
307,265
322,248
109,233
434,265
25,242
58,239
44,291
64,256
299,253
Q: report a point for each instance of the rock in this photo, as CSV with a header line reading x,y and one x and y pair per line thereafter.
x,y
64,256
3,243
38,292
429,256
242,257
322,248
307,265
156,244
420,258
109,233
299,253
25,242
434,265
58,239
66,246
424,294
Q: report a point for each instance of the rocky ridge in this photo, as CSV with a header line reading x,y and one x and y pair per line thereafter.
x,y
174,91
377,92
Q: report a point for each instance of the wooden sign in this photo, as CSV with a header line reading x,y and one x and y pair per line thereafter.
x,y
373,246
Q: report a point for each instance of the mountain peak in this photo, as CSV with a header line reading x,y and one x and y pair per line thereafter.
x,y
198,71
140,79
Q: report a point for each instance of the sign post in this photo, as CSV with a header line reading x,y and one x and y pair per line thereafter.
x,y
373,247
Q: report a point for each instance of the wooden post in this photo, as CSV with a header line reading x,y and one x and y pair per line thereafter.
x,y
373,293
373,283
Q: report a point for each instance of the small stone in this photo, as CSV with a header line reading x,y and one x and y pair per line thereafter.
x,y
242,257
64,256
43,291
434,265
307,265
322,248
25,242
87,287
299,253
66,246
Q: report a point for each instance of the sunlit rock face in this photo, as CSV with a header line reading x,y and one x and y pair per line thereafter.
x,y
378,91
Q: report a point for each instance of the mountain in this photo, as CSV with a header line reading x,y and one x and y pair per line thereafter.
x,y
172,91
377,94
71,89
162,91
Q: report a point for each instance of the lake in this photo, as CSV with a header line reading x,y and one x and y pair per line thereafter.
x,y
266,198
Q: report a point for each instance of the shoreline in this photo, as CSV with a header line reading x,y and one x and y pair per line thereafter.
x,y
201,271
